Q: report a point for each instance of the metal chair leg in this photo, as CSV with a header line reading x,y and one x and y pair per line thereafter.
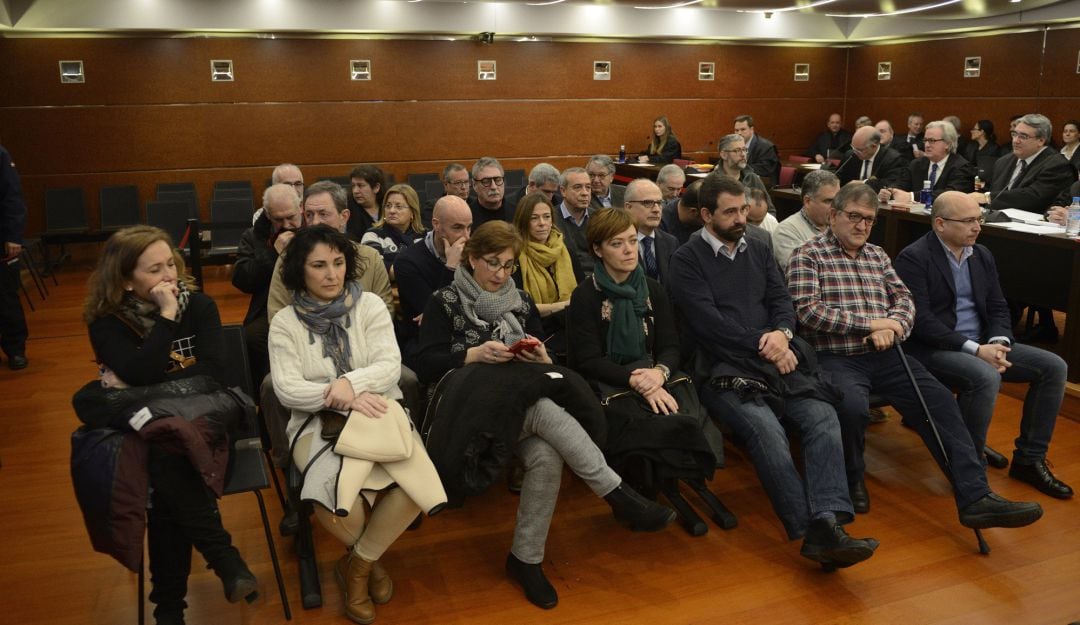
x,y
274,557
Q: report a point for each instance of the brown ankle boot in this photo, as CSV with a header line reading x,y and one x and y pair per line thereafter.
x,y
380,585
352,573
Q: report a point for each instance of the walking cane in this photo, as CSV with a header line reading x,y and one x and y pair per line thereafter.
x,y
983,547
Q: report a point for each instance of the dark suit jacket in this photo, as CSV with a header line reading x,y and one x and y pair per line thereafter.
x,y
828,141
917,143
903,148
664,245
888,170
1044,184
958,175
1075,160
617,192
925,270
574,240
764,160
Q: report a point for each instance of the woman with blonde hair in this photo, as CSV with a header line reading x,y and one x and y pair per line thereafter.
x,y
399,227
664,147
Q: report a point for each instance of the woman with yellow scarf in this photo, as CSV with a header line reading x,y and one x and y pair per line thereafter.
x,y
546,269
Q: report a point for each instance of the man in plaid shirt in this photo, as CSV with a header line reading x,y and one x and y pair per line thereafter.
x,y
852,307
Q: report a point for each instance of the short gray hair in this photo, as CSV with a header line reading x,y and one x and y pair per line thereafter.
x,y
451,168
1043,127
337,193
948,133
864,120
275,177
278,191
603,160
667,171
484,162
543,173
727,140
815,180
566,173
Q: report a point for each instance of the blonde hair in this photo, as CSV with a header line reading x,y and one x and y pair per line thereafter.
x,y
105,288
411,199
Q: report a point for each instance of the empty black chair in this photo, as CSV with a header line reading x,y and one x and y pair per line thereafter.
x,y
65,211
232,184
119,207
419,181
189,199
228,220
233,194
174,186
169,215
514,178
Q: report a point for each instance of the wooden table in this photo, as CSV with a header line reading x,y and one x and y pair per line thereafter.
x,y
627,172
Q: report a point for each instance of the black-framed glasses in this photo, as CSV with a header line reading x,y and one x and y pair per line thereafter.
x,y
857,218
457,183
494,265
492,181
967,221
648,203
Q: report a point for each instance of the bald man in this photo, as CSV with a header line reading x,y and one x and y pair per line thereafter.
x,y
422,269
869,161
645,203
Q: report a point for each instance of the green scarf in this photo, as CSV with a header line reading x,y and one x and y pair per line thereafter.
x,y
629,303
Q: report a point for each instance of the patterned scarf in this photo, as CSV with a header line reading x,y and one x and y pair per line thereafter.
x,y
487,310
629,303
330,321
546,271
141,315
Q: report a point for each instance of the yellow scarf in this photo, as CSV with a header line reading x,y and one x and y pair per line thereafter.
x,y
545,286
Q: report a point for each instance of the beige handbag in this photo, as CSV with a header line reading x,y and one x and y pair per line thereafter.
x,y
388,438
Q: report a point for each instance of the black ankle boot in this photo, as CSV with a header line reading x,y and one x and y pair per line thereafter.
x,y
538,590
238,581
639,513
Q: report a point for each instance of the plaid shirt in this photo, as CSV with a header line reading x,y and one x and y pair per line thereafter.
x,y
836,296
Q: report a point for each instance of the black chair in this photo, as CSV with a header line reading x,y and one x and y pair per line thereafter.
x,y
65,221
14,264
232,184
228,220
169,215
514,178
119,207
234,194
419,181
247,471
174,186
190,200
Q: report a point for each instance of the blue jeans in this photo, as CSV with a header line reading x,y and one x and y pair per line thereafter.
x,y
763,435
883,373
977,383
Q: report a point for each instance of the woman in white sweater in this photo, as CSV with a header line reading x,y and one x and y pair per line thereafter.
x,y
333,353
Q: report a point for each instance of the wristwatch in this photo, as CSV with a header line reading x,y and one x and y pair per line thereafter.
x,y
786,332
664,371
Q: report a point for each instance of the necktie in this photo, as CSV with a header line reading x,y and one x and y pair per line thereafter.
x,y
650,258
933,174
1017,175
865,170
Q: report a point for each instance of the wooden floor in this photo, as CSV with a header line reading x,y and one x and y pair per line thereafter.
x,y
927,570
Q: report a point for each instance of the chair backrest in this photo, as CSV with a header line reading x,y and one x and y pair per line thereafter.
x,y
232,184
119,206
174,186
237,368
169,215
233,194
419,181
191,202
787,176
514,178
799,159
65,210
228,212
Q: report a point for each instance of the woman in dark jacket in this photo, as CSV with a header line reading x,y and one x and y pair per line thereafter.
x,y
664,148
983,142
399,227
146,326
473,324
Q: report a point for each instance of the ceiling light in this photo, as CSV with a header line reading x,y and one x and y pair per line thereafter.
x,y
786,9
671,6
925,7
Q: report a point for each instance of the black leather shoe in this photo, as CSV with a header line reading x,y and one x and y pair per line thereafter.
x,y
638,512
827,542
538,590
996,511
17,362
236,579
860,499
994,458
290,523
1038,475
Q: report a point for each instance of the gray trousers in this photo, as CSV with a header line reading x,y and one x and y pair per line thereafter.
x,y
549,437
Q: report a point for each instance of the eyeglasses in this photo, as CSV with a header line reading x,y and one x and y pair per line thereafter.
x,y
933,141
967,221
458,183
1023,136
299,184
396,206
736,151
857,218
648,203
598,175
494,265
494,181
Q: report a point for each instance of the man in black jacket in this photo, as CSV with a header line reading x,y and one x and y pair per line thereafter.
x,y
833,139
13,330
1034,177
761,153
869,161
940,164
259,248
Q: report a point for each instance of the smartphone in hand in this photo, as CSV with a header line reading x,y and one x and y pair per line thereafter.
x,y
526,344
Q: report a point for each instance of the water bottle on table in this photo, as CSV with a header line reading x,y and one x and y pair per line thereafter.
x,y
622,153
926,196
1072,219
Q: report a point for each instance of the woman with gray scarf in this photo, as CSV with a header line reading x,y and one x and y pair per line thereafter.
x,y
474,322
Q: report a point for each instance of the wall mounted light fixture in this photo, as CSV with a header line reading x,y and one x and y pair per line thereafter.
x,y
71,72
221,70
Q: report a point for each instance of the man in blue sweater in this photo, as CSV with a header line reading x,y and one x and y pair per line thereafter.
x,y
752,369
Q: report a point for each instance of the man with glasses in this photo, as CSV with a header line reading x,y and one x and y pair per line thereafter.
x,y
489,203
671,179
601,171
940,164
733,164
644,202
877,165
963,335
852,307
759,379
761,153
1034,177
455,181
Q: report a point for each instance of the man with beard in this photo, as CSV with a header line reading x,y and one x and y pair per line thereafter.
x,y
733,164
490,200
750,362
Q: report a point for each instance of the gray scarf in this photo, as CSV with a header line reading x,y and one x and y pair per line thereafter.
x,y
487,310
141,315
330,321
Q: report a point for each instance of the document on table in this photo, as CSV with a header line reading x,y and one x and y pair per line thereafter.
x,y
1027,217
1044,228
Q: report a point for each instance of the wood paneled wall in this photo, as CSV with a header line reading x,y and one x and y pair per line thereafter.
x,y
148,112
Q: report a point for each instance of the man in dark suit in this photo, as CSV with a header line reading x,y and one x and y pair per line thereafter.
x,y
914,136
1034,177
879,166
645,203
601,171
888,138
940,164
962,333
835,138
760,152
